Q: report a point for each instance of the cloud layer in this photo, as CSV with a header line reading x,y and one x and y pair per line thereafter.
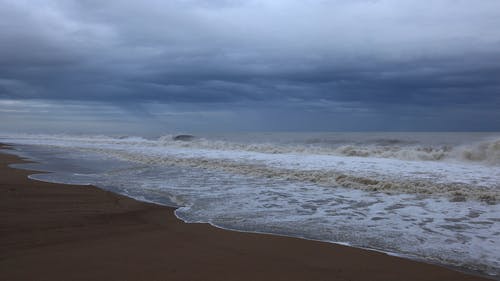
x,y
359,60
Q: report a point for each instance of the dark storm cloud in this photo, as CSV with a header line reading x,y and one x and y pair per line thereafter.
x,y
355,56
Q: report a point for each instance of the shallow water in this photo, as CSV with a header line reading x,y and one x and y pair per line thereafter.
x,y
443,219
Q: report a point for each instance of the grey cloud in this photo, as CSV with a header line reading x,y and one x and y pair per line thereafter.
x,y
363,56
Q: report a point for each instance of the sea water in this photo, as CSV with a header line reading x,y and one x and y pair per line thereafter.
x,y
427,196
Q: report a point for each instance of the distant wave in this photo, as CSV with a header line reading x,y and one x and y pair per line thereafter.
x,y
485,152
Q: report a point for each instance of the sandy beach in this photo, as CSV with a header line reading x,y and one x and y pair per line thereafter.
x,y
66,232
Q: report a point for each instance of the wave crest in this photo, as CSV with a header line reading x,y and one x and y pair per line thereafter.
x,y
485,152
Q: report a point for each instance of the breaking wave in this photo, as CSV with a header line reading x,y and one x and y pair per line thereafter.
x,y
455,191
485,152
460,171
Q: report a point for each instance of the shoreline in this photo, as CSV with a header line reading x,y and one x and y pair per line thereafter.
x,y
58,231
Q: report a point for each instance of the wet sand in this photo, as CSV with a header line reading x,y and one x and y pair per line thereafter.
x,y
66,232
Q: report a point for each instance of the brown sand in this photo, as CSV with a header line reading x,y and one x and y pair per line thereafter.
x,y
66,232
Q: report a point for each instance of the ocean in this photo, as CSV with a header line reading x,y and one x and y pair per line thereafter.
x,y
433,197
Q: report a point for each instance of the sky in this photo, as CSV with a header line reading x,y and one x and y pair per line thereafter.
x,y
152,66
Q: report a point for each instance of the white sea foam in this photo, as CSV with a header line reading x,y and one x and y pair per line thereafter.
x,y
369,167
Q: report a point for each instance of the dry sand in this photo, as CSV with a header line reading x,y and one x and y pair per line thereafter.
x,y
67,232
